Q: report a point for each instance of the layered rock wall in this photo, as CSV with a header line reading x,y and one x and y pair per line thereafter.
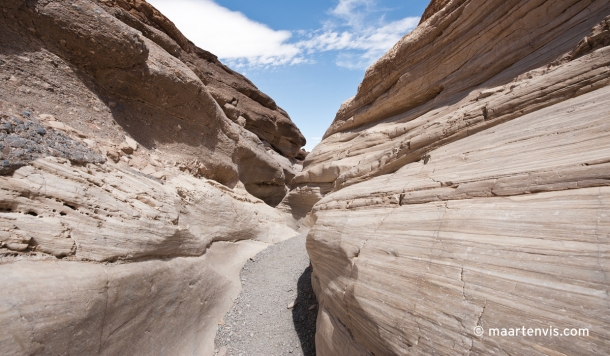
x,y
104,260
94,65
128,160
466,185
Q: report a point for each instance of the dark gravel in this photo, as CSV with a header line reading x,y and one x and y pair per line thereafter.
x,y
24,140
260,322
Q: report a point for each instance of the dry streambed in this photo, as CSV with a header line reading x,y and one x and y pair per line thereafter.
x,y
275,314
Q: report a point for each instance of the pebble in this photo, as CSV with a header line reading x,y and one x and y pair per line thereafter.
x,y
15,141
6,126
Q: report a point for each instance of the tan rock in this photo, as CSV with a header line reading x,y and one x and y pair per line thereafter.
x,y
46,117
231,111
107,213
126,148
156,79
103,310
468,186
15,240
159,175
97,257
302,155
57,125
90,143
148,169
131,143
261,114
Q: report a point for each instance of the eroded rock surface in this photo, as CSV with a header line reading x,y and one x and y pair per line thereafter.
x,y
23,141
467,184
235,94
94,65
127,200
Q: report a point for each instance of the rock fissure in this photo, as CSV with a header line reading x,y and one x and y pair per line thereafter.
x,y
351,282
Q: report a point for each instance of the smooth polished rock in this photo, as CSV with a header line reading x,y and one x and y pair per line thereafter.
x,y
468,187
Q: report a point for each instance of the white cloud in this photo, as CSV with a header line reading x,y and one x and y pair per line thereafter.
x,y
371,39
359,48
229,34
353,11
244,43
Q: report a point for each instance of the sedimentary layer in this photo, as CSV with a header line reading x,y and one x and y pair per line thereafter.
x,y
136,178
110,68
466,184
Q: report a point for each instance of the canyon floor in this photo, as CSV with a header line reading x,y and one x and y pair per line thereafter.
x,y
275,314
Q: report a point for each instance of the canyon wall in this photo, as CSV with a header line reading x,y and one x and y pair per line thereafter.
x,y
131,167
121,67
468,184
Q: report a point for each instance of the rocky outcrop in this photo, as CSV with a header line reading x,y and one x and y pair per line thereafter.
x,y
102,259
129,187
140,72
23,141
239,99
466,184
434,7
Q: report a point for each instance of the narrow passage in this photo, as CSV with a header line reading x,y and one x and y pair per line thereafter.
x,y
275,314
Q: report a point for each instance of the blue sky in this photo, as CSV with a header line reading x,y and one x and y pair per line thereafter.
x,y
309,56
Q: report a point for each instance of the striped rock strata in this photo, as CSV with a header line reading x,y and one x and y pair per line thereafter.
x,y
107,68
126,181
468,184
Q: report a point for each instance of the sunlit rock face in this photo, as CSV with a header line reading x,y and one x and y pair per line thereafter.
x,y
130,167
122,63
467,184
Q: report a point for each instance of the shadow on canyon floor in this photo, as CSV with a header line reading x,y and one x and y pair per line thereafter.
x,y
305,312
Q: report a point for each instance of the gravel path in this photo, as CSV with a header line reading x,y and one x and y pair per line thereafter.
x,y
263,320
